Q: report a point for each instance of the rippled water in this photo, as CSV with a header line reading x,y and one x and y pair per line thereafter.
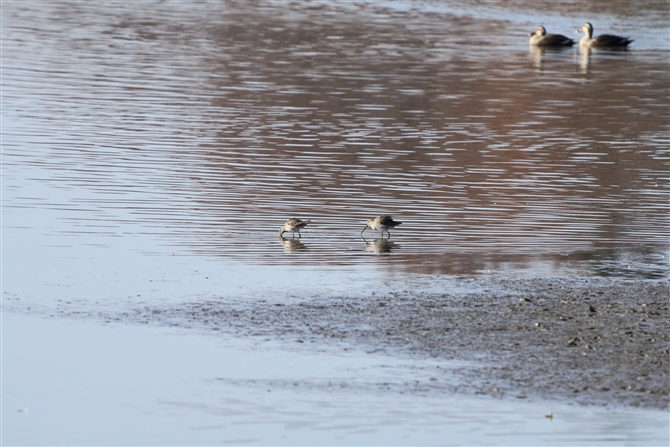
x,y
152,150
205,126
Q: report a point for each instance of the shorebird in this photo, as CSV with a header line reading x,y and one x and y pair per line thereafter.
x,y
381,223
604,40
294,226
540,38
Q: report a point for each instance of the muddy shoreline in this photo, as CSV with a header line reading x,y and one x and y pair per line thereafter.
x,y
590,341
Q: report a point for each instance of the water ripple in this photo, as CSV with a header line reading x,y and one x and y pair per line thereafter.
x,y
209,137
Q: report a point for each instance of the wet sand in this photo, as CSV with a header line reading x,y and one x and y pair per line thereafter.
x,y
590,341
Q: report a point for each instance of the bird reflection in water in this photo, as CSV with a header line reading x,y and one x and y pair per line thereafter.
x,y
292,245
584,59
539,54
380,246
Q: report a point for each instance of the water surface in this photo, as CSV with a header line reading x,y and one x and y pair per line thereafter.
x,y
151,151
204,127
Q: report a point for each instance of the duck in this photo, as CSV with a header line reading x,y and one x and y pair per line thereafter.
x,y
540,38
604,40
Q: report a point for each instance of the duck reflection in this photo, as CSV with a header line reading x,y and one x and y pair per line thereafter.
x,y
584,59
292,245
538,54
585,53
380,246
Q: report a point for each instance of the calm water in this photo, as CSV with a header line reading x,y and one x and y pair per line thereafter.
x,y
151,151
252,393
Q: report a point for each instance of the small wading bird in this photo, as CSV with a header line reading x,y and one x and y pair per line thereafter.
x,y
604,40
294,226
381,223
540,38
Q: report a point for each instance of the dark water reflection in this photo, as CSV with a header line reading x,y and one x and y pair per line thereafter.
x,y
208,125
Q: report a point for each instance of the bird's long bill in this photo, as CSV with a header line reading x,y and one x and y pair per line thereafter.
x,y
366,227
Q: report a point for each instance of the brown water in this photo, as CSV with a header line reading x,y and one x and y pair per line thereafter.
x,y
209,125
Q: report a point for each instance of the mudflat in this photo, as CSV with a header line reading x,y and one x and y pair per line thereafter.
x,y
591,341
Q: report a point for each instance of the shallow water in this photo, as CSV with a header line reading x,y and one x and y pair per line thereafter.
x,y
150,152
222,390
